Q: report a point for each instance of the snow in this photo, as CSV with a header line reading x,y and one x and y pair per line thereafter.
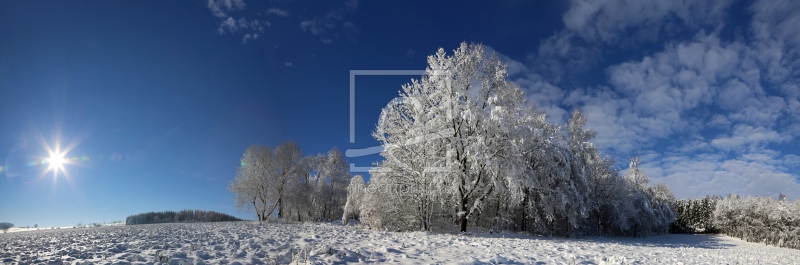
x,y
270,243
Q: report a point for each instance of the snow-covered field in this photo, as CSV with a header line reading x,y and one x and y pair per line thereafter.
x,y
253,243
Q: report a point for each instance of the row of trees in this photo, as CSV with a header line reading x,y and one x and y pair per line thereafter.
x,y
462,147
184,216
695,215
754,219
760,219
283,183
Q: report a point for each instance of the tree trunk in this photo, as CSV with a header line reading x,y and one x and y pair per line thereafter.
x,y
280,207
525,210
462,217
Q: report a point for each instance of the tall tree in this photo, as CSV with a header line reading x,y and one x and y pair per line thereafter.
x,y
288,158
469,114
329,183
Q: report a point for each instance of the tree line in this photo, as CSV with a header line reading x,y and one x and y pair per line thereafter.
x,y
695,216
283,183
184,216
753,219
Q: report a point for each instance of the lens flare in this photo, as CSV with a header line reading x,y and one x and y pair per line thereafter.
x,y
57,159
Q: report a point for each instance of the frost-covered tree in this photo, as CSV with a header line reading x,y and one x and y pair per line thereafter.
x,y
610,208
416,153
545,178
318,188
760,219
329,179
651,205
695,215
355,198
290,167
282,183
254,181
386,205
464,113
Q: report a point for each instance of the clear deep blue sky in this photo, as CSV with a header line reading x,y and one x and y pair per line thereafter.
x,y
160,99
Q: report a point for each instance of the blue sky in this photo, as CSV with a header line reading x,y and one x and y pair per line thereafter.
x,y
161,99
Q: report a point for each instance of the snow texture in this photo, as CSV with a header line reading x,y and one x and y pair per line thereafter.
x,y
271,243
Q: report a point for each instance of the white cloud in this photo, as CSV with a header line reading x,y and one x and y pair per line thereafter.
x,y
791,92
774,25
676,97
746,137
231,25
607,20
591,25
278,12
249,29
248,37
792,161
561,55
719,121
333,23
696,176
542,94
220,8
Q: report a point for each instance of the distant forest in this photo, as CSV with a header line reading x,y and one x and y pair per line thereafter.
x,y
185,216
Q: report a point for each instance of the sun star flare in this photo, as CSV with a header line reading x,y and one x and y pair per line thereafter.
x,y
56,161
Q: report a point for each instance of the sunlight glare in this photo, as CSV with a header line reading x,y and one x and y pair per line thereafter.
x,y
56,161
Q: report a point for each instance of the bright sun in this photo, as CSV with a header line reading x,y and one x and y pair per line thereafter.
x,y
58,157
56,161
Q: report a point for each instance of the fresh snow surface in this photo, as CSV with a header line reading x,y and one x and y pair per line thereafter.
x,y
271,243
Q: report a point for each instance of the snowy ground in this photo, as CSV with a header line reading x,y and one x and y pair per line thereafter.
x,y
253,243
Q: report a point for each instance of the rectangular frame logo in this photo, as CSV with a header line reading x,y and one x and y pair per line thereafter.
x,y
375,149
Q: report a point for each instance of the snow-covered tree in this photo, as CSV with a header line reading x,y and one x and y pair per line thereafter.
x,y
652,206
282,183
386,203
760,219
464,113
330,178
288,158
253,185
355,198
415,150
695,215
609,207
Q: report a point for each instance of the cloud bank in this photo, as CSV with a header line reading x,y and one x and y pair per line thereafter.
x,y
707,113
